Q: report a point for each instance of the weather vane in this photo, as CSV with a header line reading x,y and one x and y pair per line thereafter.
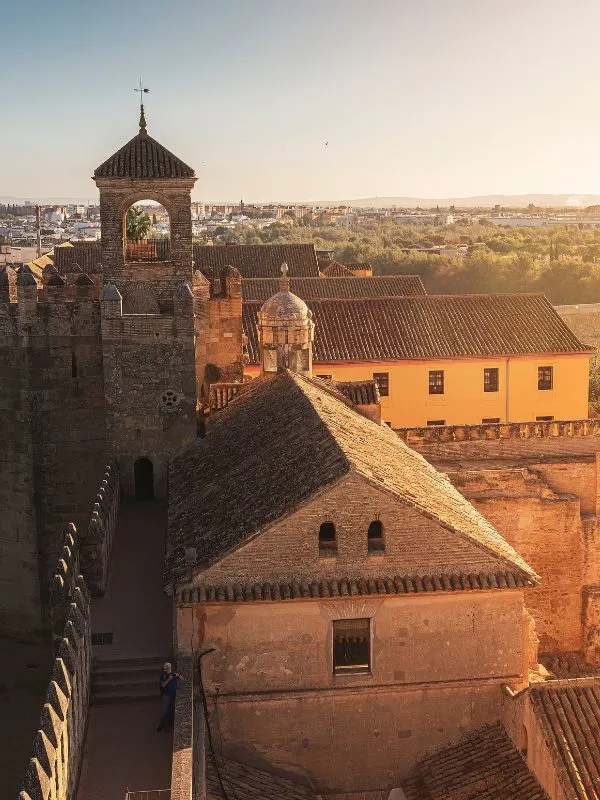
x,y
142,92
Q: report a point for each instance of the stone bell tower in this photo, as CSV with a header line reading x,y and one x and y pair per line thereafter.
x,y
148,309
285,331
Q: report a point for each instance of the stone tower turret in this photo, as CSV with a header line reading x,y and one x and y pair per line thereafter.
x,y
148,309
285,331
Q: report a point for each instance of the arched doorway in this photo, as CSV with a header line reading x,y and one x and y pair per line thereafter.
x,y
143,473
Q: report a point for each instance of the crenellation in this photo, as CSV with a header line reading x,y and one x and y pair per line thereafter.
x,y
99,537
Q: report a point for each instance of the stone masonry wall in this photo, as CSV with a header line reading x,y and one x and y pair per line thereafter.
x,y
99,537
53,769
20,605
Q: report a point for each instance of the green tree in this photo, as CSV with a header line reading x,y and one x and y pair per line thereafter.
x,y
137,224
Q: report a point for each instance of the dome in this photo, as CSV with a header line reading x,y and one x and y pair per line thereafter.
x,y
285,306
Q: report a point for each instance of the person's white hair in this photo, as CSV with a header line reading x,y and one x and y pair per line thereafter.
x,y
167,666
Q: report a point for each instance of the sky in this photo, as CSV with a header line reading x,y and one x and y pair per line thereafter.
x,y
416,98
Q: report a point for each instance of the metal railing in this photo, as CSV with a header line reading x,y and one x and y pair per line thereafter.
x,y
149,794
149,250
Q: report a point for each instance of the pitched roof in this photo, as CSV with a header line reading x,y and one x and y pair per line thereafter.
x,y
223,492
359,392
258,260
143,157
482,766
260,289
333,269
436,326
358,265
86,255
569,714
249,783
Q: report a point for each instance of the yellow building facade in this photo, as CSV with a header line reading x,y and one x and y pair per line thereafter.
x,y
460,386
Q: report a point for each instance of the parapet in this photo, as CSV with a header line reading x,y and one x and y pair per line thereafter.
x,y
98,539
53,768
64,580
502,430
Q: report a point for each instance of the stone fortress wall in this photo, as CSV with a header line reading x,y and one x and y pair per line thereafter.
x,y
52,426
99,537
53,769
537,483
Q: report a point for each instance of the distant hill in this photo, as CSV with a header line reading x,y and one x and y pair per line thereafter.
x,y
485,201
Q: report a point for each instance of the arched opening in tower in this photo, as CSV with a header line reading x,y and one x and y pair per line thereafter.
x,y
143,472
147,232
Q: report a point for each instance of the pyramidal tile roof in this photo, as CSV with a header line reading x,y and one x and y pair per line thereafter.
x,y
223,492
143,157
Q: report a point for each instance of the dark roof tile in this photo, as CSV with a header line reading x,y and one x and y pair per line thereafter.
x,y
143,157
436,326
258,260
260,289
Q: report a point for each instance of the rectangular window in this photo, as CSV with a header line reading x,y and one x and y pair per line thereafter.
x,y
544,377
351,645
436,421
325,377
436,381
382,379
491,379
489,420
544,419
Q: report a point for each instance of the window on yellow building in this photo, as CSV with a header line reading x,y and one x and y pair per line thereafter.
x,y
436,421
545,377
382,379
327,540
436,381
375,541
544,419
351,645
491,379
490,420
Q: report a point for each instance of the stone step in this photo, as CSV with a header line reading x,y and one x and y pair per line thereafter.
x,y
120,694
116,674
105,664
109,682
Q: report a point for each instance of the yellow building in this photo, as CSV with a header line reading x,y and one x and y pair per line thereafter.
x,y
449,360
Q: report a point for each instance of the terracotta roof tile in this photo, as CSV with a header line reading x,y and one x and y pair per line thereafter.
x,y
86,255
482,766
260,289
333,269
295,428
143,157
338,587
569,714
258,260
248,783
436,326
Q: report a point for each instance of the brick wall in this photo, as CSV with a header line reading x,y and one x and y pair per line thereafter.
x,y
545,527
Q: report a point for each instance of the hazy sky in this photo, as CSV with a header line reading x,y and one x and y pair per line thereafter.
x,y
423,98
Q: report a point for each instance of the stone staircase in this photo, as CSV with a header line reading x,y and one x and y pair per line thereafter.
x,y
121,680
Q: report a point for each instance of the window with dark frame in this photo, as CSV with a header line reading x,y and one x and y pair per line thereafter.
x,y
327,541
436,381
491,379
490,420
436,421
382,379
375,543
545,378
351,645
544,419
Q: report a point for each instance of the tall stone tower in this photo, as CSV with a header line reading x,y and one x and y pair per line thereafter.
x,y
285,331
148,315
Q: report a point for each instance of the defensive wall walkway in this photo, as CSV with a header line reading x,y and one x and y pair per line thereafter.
x,y
123,749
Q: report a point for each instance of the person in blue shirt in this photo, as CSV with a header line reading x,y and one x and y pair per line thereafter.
x,y
168,690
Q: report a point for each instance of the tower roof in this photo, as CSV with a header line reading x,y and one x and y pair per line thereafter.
x,y
143,157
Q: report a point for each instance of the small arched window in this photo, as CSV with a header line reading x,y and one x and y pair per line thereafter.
x,y
375,537
327,541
